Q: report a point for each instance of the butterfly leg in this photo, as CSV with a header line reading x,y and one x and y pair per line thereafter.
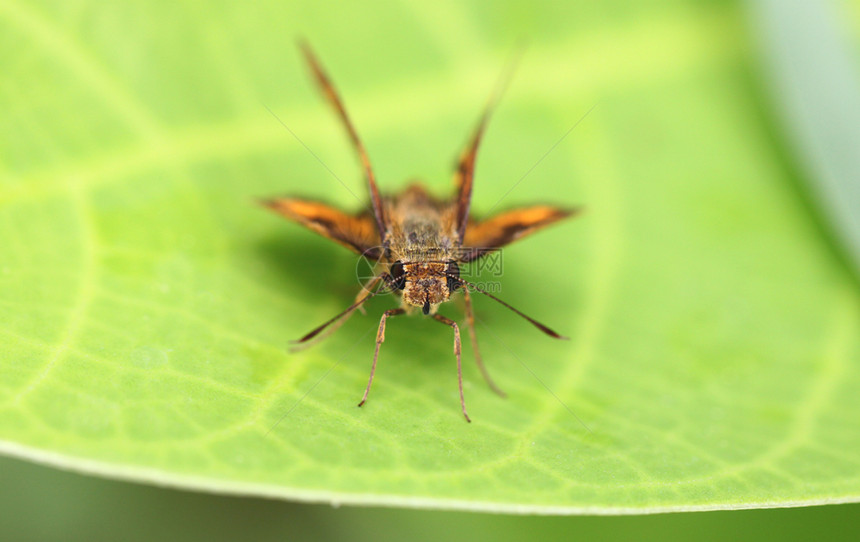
x,y
380,338
453,324
470,322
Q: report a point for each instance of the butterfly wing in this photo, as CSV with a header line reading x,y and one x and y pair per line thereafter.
x,y
356,232
485,236
332,97
464,176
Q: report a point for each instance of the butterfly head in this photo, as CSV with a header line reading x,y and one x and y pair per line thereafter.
x,y
425,284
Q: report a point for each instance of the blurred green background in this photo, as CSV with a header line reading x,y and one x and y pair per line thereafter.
x,y
43,504
669,78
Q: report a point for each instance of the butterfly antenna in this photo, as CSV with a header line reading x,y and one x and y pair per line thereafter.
x,y
534,322
316,331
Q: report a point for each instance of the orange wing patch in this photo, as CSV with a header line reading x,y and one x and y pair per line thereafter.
x,y
493,233
358,233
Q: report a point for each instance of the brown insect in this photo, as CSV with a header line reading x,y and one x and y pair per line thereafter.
x,y
416,241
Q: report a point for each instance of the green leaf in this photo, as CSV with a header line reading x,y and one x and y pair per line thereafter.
x,y
146,303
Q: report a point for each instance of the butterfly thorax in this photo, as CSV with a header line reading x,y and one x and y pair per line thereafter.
x,y
422,237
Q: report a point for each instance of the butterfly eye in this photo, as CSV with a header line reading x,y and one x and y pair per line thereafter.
x,y
453,272
398,275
